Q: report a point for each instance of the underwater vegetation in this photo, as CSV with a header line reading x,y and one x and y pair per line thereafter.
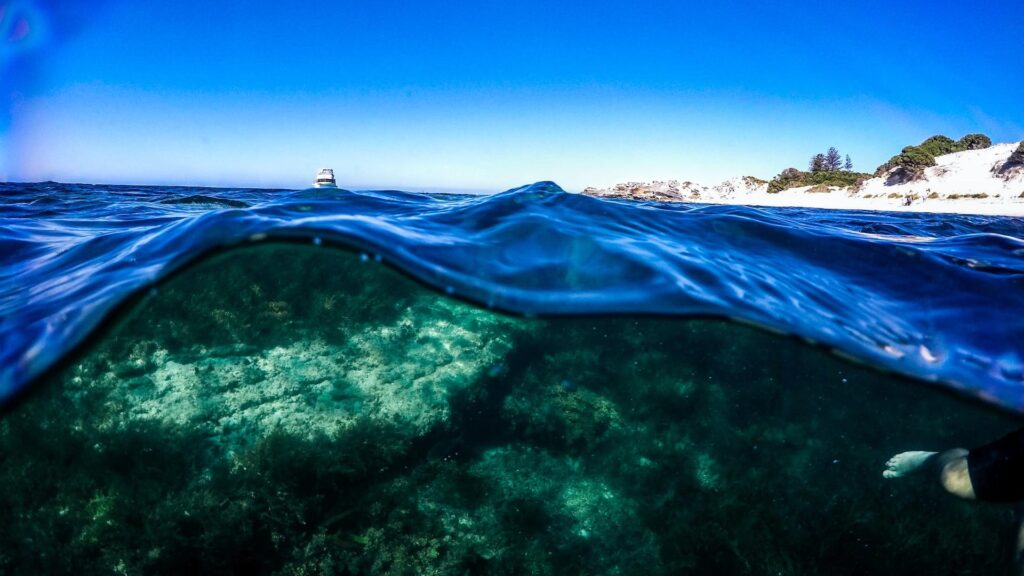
x,y
285,409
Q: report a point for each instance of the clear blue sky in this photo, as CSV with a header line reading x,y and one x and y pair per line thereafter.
x,y
489,94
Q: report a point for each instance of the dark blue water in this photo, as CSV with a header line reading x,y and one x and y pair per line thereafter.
x,y
934,297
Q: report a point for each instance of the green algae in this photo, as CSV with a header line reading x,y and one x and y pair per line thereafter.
x,y
291,410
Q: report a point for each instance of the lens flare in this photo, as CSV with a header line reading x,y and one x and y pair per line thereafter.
x,y
21,30
22,26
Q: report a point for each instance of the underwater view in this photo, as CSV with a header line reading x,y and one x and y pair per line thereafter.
x,y
536,382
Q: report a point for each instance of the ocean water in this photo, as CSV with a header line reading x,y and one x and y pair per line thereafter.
x,y
335,382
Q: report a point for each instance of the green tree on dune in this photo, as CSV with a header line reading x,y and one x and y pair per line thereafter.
x,y
833,161
817,163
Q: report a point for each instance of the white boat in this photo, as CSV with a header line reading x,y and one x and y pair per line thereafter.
x,y
325,179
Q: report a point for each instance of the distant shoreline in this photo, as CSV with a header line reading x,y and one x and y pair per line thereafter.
x,y
981,182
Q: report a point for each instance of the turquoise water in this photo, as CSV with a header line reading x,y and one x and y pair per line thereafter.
x,y
302,407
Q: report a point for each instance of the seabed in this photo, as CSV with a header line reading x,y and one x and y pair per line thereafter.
x,y
296,410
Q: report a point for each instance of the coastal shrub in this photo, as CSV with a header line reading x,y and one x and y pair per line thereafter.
x,y
784,179
1018,155
912,160
793,178
1012,164
938,145
915,158
833,179
974,142
790,174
